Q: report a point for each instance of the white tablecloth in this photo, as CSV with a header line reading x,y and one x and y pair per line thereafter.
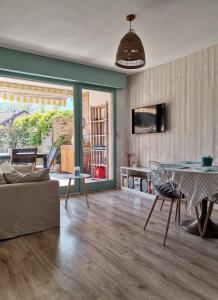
x,y
195,185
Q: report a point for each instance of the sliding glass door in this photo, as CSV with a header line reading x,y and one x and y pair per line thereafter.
x,y
35,114
77,120
97,142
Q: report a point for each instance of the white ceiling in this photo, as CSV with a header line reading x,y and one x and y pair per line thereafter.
x,y
89,31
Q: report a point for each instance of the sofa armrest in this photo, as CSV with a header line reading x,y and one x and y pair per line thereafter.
x,y
28,207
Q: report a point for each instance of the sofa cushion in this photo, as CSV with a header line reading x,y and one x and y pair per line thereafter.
x,y
23,168
4,167
28,177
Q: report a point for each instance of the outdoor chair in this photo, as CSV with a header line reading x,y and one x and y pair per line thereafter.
x,y
50,158
24,156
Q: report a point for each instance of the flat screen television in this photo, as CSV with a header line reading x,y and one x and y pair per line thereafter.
x,y
149,119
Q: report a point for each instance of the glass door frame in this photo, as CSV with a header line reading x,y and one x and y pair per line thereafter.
x,y
107,184
75,188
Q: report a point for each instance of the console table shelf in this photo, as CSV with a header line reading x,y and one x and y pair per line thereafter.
x,y
144,173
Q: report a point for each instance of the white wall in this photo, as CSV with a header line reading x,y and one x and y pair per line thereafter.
x,y
189,87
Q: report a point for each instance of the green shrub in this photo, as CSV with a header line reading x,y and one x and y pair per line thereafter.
x,y
32,127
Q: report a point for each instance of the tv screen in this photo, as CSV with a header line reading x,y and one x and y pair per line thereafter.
x,y
149,119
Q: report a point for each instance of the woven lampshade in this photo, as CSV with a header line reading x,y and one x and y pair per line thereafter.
x,y
130,53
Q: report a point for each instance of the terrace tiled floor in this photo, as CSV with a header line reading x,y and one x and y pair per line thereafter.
x,y
63,178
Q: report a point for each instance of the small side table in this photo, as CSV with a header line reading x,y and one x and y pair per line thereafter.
x,y
81,177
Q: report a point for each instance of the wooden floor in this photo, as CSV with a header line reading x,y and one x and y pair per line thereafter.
x,y
102,253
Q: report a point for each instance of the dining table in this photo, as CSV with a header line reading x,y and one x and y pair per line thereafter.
x,y
198,184
43,156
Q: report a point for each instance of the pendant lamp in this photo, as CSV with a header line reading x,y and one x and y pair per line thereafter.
x,y
130,53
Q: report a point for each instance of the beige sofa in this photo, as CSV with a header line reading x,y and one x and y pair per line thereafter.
x,y
28,207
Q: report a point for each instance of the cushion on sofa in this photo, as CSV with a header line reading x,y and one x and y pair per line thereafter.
x,y
4,167
23,168
28,177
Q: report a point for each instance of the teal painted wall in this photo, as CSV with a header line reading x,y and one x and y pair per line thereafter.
x,y
35,65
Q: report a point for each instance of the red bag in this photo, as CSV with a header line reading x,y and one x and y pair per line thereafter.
x,y
100,172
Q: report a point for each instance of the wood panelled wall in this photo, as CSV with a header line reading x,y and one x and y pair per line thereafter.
x,y
189,87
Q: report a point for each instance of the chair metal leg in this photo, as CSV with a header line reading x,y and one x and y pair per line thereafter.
x,y
150,213
162,204
168,222
198,220
209,212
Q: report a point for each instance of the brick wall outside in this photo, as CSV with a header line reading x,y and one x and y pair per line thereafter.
x,y
62,126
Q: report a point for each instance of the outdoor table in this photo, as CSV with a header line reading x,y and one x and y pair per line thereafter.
x,y
7,156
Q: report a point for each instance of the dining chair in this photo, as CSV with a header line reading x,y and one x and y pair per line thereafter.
x,y
24,155
164,188
176,214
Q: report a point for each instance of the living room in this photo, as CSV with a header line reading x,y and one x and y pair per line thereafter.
x,y
108,149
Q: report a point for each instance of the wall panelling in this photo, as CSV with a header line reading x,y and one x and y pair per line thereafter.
x,y
189,87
